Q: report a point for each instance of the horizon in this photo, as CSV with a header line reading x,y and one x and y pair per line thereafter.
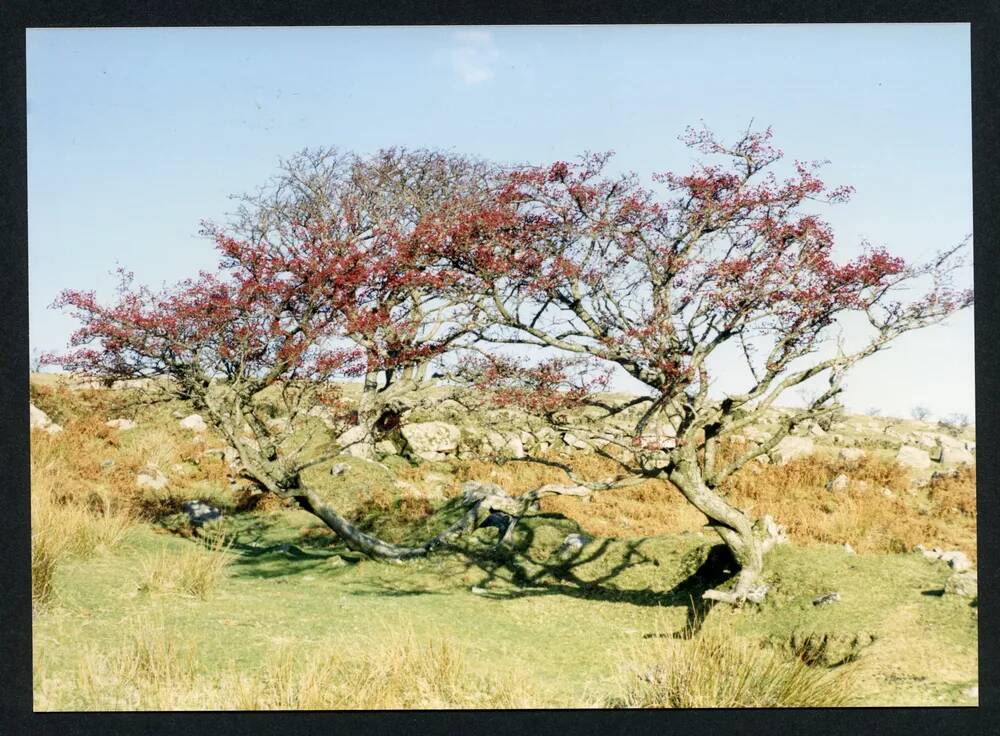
x,y
136,135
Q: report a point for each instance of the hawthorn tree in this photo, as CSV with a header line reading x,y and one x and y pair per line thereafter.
x,y
400,309
329,272
592,271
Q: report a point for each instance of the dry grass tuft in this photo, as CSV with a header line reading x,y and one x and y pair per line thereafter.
x,y
713,670
195,572
154,671
394,672
61,527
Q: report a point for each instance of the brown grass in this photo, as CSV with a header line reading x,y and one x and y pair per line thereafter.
x,y
715,670
954,494
95,466
62,527
795,494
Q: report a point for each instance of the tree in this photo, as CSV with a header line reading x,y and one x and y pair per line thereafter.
x,y
263,330
597,271
400,310
320,278
920,413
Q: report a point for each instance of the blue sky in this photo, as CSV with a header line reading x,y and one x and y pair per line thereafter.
x,y
136,135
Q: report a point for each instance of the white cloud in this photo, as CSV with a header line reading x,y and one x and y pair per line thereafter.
x,y
473,56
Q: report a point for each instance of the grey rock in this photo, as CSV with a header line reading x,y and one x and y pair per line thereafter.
x,y
38,419
153,479
575,442
956,560
200,512
790,448
121,424
352,441
851,454
913,457
194,422
965,584
572,544
957,456
386,447
840,483
827,599
431,440
339,469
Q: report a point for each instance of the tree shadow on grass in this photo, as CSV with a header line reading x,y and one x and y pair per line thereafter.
x,y
260,550
559,577
508,573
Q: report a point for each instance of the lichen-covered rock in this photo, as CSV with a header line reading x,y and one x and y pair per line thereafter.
x,y
965,584
121,424
152,479
851,454
913,457
386,447
957,455
790,448
431,440
840,483
575,442
38,419
353,441
194,422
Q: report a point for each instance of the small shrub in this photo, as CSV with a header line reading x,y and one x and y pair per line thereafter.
x,y
713,670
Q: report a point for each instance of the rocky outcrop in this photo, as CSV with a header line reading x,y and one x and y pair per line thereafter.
x,y
965,584
957,455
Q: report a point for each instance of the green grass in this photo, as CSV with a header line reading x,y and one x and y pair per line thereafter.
x,y
570,628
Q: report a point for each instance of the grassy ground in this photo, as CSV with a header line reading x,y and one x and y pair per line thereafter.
x,y
140,613
566,635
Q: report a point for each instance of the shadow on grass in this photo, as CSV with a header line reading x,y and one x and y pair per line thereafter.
x,y
263,549
560,577
260,547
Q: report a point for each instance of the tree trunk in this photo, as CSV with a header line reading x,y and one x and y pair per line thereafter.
x,y
744,539
369,410
353,537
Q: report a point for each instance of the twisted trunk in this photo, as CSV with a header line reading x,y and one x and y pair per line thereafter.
x,y
747,540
